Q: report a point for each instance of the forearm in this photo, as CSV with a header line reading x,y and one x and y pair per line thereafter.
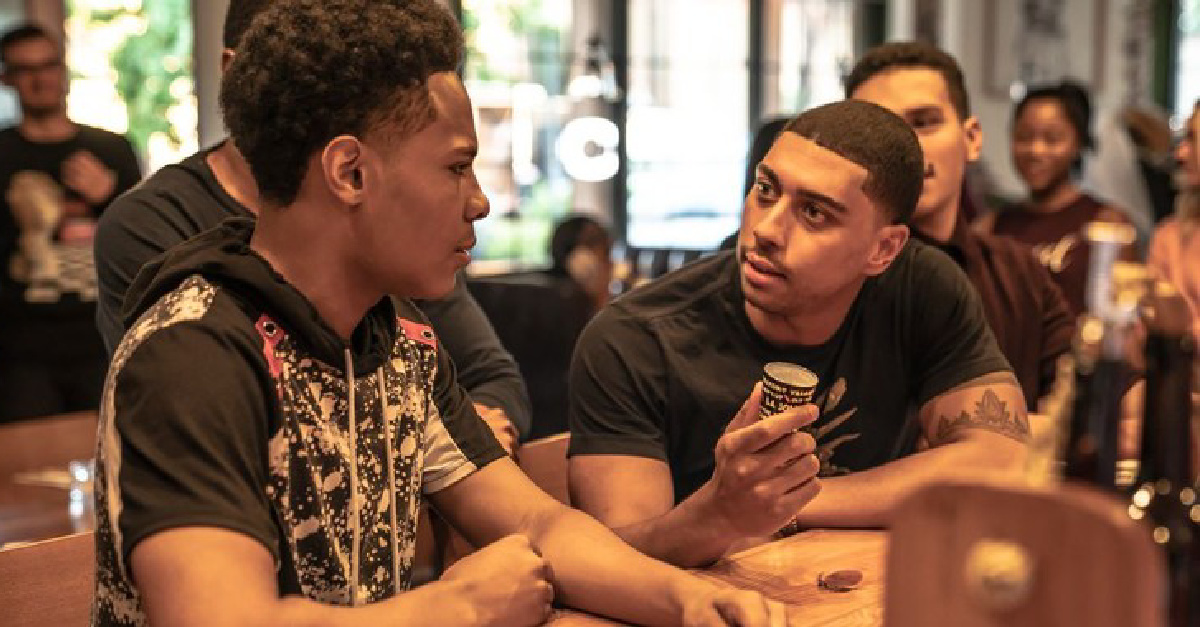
x,y
867,498
608,576
685,536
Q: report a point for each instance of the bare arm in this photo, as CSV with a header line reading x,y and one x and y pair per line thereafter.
x,y
211,577
765,471
592,569
980,427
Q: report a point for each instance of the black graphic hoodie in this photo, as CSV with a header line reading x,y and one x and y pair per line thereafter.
x,y
230,403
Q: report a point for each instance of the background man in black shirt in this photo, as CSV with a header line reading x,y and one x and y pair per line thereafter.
x,y
181,200
824,276
1024,307
56,177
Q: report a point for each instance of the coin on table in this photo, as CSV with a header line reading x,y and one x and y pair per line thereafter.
x,y
840,580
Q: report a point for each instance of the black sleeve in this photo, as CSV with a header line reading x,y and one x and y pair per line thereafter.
x,y
617,389
191,418
952,340
130,233
457,441
485,368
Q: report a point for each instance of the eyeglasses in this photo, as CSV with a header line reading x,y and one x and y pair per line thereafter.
x,y
20,69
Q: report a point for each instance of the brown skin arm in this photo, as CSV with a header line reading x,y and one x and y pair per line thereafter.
x,y
215,577
979,428
205,576
764,472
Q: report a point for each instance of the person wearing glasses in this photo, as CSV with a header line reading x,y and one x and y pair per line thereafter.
x,y
56,177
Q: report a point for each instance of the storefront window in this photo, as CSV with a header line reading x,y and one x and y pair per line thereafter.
x,y
516,72
131,73
1187,86
687,121
810,48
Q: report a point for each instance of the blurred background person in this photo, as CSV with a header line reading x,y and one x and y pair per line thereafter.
x,y
1175,250
56,178
581,249
1050,133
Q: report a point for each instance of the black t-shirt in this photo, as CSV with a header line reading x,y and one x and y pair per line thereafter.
x,y
661,372
62,302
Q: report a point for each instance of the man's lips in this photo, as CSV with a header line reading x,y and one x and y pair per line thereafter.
x,y
760,266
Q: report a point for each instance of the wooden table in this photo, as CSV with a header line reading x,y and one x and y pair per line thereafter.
x,y
787,570
30,512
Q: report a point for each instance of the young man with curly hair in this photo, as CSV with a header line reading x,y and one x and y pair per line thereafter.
x,y
181,200
272,419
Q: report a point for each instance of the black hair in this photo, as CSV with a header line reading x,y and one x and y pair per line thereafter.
x,y
913,54
568,235
238,17
876,139
310,70
1074,100
20,34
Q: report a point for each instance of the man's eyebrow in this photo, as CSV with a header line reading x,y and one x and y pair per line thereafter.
x,y
766,171
829,201
466,150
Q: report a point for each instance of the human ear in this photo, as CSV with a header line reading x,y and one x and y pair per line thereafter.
x,y
341,165
973,133
888,244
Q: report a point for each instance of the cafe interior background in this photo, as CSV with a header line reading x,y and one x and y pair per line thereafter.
x,y
611,108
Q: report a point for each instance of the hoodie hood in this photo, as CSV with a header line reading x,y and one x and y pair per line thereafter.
x,y
222,256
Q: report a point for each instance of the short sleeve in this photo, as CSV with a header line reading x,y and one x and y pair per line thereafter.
x,y
457,441
190,417
953,343
617,388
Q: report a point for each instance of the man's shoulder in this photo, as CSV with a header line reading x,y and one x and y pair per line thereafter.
x,y
918,261
681,290
195,308
682,296
95,136
179,188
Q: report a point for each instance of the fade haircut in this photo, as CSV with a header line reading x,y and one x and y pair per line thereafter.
x,y
876,139
308,71
913,54
20,34
238,17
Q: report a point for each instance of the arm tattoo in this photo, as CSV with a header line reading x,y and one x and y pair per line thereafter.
x,y
991,414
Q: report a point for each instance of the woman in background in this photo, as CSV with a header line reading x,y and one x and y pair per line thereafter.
x,y
1175,250
1049,135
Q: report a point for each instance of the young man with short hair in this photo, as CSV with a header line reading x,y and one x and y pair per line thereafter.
x,y
1024,307
825,277
272,418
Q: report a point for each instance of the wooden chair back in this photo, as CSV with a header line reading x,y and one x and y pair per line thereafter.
x,y
48,583
974,555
